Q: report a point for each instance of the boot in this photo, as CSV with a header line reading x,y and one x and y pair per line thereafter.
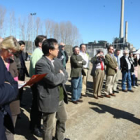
x,y
136,79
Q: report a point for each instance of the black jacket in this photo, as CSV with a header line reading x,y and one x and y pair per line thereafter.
x,y
124,65
8,92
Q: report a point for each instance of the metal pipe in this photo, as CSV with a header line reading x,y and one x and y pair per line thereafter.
x,y
126,31
122,19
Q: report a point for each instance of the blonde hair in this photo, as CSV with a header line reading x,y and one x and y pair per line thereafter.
x,y
10,43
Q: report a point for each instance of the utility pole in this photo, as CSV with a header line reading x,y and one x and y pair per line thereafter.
x,y
32,14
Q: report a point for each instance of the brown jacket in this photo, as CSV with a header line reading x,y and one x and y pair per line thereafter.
x,y
77,63
111,65
14,105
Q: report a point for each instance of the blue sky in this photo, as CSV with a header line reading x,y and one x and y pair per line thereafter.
x,y
95,19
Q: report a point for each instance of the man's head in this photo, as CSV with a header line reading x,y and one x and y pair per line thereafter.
x,y
126,53
111,49
117,51
83,48
39,39
22,45
100,53
61,46
131,54
50,48
76,50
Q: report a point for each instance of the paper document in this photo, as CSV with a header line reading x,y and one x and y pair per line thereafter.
x,y
34,79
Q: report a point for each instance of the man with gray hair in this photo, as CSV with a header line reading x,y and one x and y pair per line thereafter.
x,y
85,68
118,73
126,71
62,55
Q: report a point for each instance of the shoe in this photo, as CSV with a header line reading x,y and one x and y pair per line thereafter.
x,y
134,87
108,96
66,139
100,96
37,132
131,90
116,91
112,94
75,102
84,95
80,101
124,90
95,97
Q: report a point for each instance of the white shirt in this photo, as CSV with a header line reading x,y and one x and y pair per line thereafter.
x,y
118,60
50,61
98,66
85,57
128,62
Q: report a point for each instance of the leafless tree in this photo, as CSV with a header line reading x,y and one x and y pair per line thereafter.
x,y
22,28
56,32
2,19
12,24
28,28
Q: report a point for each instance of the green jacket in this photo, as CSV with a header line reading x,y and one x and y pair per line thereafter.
x,y
77,63
37,54
111,65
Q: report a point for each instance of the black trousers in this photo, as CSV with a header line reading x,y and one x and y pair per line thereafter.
x,y
21,77
35,114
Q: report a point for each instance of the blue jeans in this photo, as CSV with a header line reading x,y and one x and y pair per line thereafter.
x,y
126,76
133,79
76,84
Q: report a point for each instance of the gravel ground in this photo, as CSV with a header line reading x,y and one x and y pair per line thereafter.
x,y
116,118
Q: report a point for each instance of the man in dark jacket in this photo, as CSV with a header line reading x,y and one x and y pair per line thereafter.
x,y
62,55
8,92
52,91
126,71
77,63
22,70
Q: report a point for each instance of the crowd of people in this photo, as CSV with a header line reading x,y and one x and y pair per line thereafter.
x,y
49,95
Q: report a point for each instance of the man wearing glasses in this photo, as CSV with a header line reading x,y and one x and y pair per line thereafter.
x,y
111,69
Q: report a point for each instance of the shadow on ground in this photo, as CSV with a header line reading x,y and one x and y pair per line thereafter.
x,y
24,120
24,130
118,114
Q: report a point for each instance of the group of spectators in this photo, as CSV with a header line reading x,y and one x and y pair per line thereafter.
x,y
13,70
49,95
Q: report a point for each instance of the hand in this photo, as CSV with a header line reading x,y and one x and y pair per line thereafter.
x,y
103,56
7,83
21,82
61,72
116,68
80,62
